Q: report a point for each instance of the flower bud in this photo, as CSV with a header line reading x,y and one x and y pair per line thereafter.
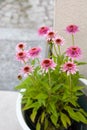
x,y
19,77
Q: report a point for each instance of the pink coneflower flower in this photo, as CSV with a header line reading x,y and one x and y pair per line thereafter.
x,y
20,46
51,35
26,70
72,29
34,52
22,56
74,52
69,68
59,40
47,64
43,30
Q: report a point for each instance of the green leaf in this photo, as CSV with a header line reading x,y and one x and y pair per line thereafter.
x,y
24,84
42,117
46,124
81,117
27,104
74,102
76,88
68,120
83,112
63,119
81,63
41,96
72,114
52,108
38,126
33,115
45,85
54,119
66,96
76,115
57,87
35,105
79,93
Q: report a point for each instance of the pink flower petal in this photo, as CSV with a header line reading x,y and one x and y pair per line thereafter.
x,y
26,70
69,68
72,29
59,40
74,52
48,63
20,46
34,52
22,56
43,30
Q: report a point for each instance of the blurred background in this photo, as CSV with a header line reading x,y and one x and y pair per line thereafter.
x,y
19,21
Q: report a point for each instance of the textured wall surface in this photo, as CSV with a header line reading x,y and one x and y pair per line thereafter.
x,y
26,13
73,12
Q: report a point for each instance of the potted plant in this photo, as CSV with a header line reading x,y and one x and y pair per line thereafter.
x,y
50,88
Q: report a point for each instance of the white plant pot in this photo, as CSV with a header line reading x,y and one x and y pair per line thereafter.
x,y
19,111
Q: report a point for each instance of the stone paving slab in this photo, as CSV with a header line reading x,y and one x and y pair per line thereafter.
x,y
8,117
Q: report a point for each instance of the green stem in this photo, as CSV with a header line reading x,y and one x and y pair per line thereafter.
x,y
50,50
49,77
55,50
59,49
38,60
73,42
70,85
32,80
24,62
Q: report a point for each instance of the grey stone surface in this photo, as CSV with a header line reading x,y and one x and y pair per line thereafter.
x,y
26,13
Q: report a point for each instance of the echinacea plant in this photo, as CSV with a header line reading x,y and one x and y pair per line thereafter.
x,y
51,85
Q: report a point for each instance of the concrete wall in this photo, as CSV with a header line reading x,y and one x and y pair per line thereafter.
x,y
73,12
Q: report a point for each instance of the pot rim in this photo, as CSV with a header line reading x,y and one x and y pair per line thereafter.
x,y
20,114
85,83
